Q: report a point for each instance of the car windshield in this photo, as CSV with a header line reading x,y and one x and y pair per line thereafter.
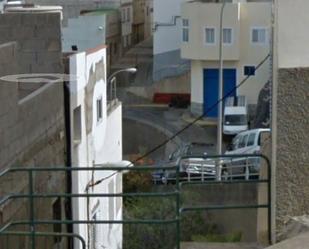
x,y
235,120
190,149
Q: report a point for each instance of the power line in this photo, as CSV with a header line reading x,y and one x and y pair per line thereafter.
x,y
201,116
92,184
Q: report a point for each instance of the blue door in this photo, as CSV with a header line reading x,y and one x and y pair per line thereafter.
x,y
211,89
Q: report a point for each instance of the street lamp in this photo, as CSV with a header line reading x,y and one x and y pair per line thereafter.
x,y
111,80
220,96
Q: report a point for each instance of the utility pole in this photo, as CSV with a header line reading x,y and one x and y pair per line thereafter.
x,y
220,96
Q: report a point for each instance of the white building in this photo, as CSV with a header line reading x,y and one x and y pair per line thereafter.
x,y
167,40
246,42
96,140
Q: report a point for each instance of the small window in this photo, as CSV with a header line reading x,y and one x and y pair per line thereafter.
x,y
243,141
99,109
185,30
210,36
227,36
249,70
258,36
77,125
57,217
123,15
251,139
128,14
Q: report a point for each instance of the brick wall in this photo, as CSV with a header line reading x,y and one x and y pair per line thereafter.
x,y
292,172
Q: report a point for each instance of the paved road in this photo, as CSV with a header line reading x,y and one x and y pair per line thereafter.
x,y
170,121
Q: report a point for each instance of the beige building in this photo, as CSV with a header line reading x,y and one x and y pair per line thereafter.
x,y
246,42
138,21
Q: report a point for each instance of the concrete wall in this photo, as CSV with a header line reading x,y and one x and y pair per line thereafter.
x,y
100,142
39,43
85,32
167,39
292,164
72,8
290,113
293,39
32,134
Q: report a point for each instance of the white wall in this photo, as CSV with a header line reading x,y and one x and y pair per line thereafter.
x,y
102,145
166,38
85,32
293,35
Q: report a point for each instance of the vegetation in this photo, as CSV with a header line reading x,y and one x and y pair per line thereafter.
x,y
195,226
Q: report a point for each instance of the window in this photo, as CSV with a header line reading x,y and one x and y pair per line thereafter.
x,y
258,36
125,41
251,139
123,15
227,36
210,36
243,141
77,125
57,216
249,70
185,30
128,14
129,40
99,109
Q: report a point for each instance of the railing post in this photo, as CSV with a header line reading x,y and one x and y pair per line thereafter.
x,y
269,200
177,209
31,211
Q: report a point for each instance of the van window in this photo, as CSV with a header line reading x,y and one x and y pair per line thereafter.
x,y
251,139
243,141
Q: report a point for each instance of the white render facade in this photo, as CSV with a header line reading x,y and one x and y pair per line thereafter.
x,y
246,43
96,138
167,39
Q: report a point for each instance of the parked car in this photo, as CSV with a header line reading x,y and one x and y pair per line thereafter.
x,y
247,142
188,167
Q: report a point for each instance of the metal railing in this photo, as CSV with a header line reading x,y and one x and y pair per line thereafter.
x,y
31,196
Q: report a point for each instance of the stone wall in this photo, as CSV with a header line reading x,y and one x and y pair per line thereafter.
x,y
292,171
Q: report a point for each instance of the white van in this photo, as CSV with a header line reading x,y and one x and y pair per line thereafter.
x,y
235,117
248,142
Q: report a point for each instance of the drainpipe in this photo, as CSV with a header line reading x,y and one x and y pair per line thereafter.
x,y
273,115
219,129
67,120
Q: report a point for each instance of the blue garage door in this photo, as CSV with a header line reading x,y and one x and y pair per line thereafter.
x,y
211,88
